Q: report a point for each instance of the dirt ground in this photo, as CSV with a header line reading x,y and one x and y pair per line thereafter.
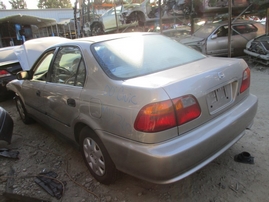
x,y
223,180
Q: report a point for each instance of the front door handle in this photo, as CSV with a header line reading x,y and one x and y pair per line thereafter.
x,y
71,102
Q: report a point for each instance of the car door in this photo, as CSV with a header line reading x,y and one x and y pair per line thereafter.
x,y
217,42
109,18
241,34
32,90
62,91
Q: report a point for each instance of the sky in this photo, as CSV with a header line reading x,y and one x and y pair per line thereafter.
x,y
31,4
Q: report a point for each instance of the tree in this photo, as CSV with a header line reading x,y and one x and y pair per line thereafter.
x,y
2,6
43,4
18,4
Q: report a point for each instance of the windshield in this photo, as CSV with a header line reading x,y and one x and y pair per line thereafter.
x,y
131,57
205,31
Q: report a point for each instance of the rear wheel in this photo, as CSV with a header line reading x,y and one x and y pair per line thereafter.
x,y
22,111
96,157
138,17
97,29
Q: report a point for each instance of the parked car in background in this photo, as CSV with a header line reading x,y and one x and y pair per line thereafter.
x,y
140,103
131,14
9,66
178,32
212,38
258,49
112,20
17,58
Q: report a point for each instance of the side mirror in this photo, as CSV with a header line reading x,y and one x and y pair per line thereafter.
x,y
214,36
23,75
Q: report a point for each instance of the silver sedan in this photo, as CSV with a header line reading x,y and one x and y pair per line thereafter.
x,y
140,103
212,38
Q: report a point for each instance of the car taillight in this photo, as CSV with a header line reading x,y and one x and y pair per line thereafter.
x,y
4,73
156,117
161,116
187,109
245,80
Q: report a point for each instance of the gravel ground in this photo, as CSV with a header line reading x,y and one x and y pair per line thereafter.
x,y
220,181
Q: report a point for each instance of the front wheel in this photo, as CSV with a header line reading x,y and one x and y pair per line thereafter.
x,y
22,111
96,157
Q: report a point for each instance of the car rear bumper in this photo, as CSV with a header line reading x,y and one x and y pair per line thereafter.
x,y
179,157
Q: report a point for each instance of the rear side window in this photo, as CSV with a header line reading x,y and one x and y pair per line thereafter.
x,y
130,57
68,67
244,29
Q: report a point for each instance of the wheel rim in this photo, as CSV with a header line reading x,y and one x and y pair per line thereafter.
x,y
95,30
94,156
20,109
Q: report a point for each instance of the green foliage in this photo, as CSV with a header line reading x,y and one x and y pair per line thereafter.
x,y
18,4
43,4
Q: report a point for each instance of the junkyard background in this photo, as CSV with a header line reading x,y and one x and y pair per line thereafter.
x,y
222,180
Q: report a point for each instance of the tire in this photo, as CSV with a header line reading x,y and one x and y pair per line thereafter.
x,y
96,29
138,17
96,157
22,111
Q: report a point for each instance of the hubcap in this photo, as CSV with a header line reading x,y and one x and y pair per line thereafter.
x,y
94,156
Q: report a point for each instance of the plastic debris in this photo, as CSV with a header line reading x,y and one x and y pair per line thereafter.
x,y
47,181
9,153
244,157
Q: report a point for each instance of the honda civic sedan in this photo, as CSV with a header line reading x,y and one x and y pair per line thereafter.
x,y
212,38
139,103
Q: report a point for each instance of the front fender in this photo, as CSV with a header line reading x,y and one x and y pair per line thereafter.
x,y
15,86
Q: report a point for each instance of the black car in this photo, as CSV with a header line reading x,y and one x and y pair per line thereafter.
x,y
8,71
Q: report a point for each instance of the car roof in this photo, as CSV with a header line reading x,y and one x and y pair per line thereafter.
x,y
106,37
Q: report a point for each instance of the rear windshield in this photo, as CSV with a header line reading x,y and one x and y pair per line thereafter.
x,y
131,57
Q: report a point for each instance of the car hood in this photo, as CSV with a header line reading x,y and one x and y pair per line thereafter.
x,y
29,52
191,40
7,55
263,38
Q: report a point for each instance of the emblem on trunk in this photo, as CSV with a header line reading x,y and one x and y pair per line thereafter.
x,y
221,75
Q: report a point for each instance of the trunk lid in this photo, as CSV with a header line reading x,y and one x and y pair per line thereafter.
x,y
214,82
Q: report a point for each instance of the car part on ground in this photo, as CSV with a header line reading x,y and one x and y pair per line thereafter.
x,y
258,49
6,126
140,103
212,38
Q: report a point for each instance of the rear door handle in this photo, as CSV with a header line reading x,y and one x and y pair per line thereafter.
x,y
71,102
38,93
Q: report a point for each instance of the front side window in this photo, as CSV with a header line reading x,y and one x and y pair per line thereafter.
x,y
41,70
68,67
222,31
